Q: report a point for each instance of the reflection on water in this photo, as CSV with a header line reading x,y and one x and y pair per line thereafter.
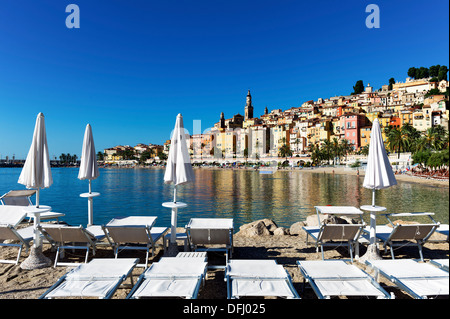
x,y
286,196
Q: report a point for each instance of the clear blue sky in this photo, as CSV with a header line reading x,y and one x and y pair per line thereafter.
x,y
132,66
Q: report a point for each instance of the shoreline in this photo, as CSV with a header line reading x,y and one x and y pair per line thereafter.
x,y
326,170
332,170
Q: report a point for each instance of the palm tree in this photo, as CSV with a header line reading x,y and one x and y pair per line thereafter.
x,y
395,141
346,147
327,150
429,138
410,135
439,138
336,149
284,151
316,154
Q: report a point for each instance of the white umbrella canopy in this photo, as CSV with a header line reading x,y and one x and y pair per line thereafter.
x,y
36,172
88,166
178,171
379,172
89,169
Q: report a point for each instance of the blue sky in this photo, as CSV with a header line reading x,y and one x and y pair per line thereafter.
x,y
132,66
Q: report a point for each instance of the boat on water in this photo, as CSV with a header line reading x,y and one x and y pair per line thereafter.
x,y
267,170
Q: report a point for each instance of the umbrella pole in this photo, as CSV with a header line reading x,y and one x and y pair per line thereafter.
x,y
173,229
90,207
175,194
37,198
373,220
373,197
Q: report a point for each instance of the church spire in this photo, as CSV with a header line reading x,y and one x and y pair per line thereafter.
x,y
249,107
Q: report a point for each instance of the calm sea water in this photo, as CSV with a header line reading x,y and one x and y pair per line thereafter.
x,y
244,195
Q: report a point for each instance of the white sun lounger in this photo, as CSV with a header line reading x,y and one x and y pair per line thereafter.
x,y
21,238
336,235
99,278
129,236
420,280
172,277
211,233
258,278
401,235
12,215
335,278
22,199
70,237
440,263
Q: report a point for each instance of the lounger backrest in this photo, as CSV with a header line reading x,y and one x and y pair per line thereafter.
x,y
210,236
129,234
11,215
68,234
414,231
340,231
16,201
7,232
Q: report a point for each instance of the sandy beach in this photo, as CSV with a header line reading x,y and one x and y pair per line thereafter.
x,y
16,283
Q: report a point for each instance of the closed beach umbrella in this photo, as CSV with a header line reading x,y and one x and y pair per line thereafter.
x,y
178,169
36,174
88,167
378,175
36,171
379,172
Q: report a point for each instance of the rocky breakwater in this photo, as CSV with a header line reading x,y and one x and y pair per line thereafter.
x,y
267,227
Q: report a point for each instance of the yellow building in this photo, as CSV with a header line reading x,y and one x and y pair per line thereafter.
x,y
406,117
230,142
281,136
372,116
220,138
422,119
364,133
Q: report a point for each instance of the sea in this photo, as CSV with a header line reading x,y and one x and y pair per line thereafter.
x,y
286,197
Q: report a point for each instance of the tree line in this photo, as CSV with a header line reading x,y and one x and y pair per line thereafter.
x,y
436,72
68,159
429,148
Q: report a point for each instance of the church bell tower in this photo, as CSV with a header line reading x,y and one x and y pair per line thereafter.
x,y
248,107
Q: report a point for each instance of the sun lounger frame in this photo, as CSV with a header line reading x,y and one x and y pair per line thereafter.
x,y
399,281
86,241
335,235
119,280
131,241
8,232
401,233
440,264
286,278
204,235
188,257
363,277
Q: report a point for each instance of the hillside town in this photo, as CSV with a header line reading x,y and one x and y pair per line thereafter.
x,y
421,104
